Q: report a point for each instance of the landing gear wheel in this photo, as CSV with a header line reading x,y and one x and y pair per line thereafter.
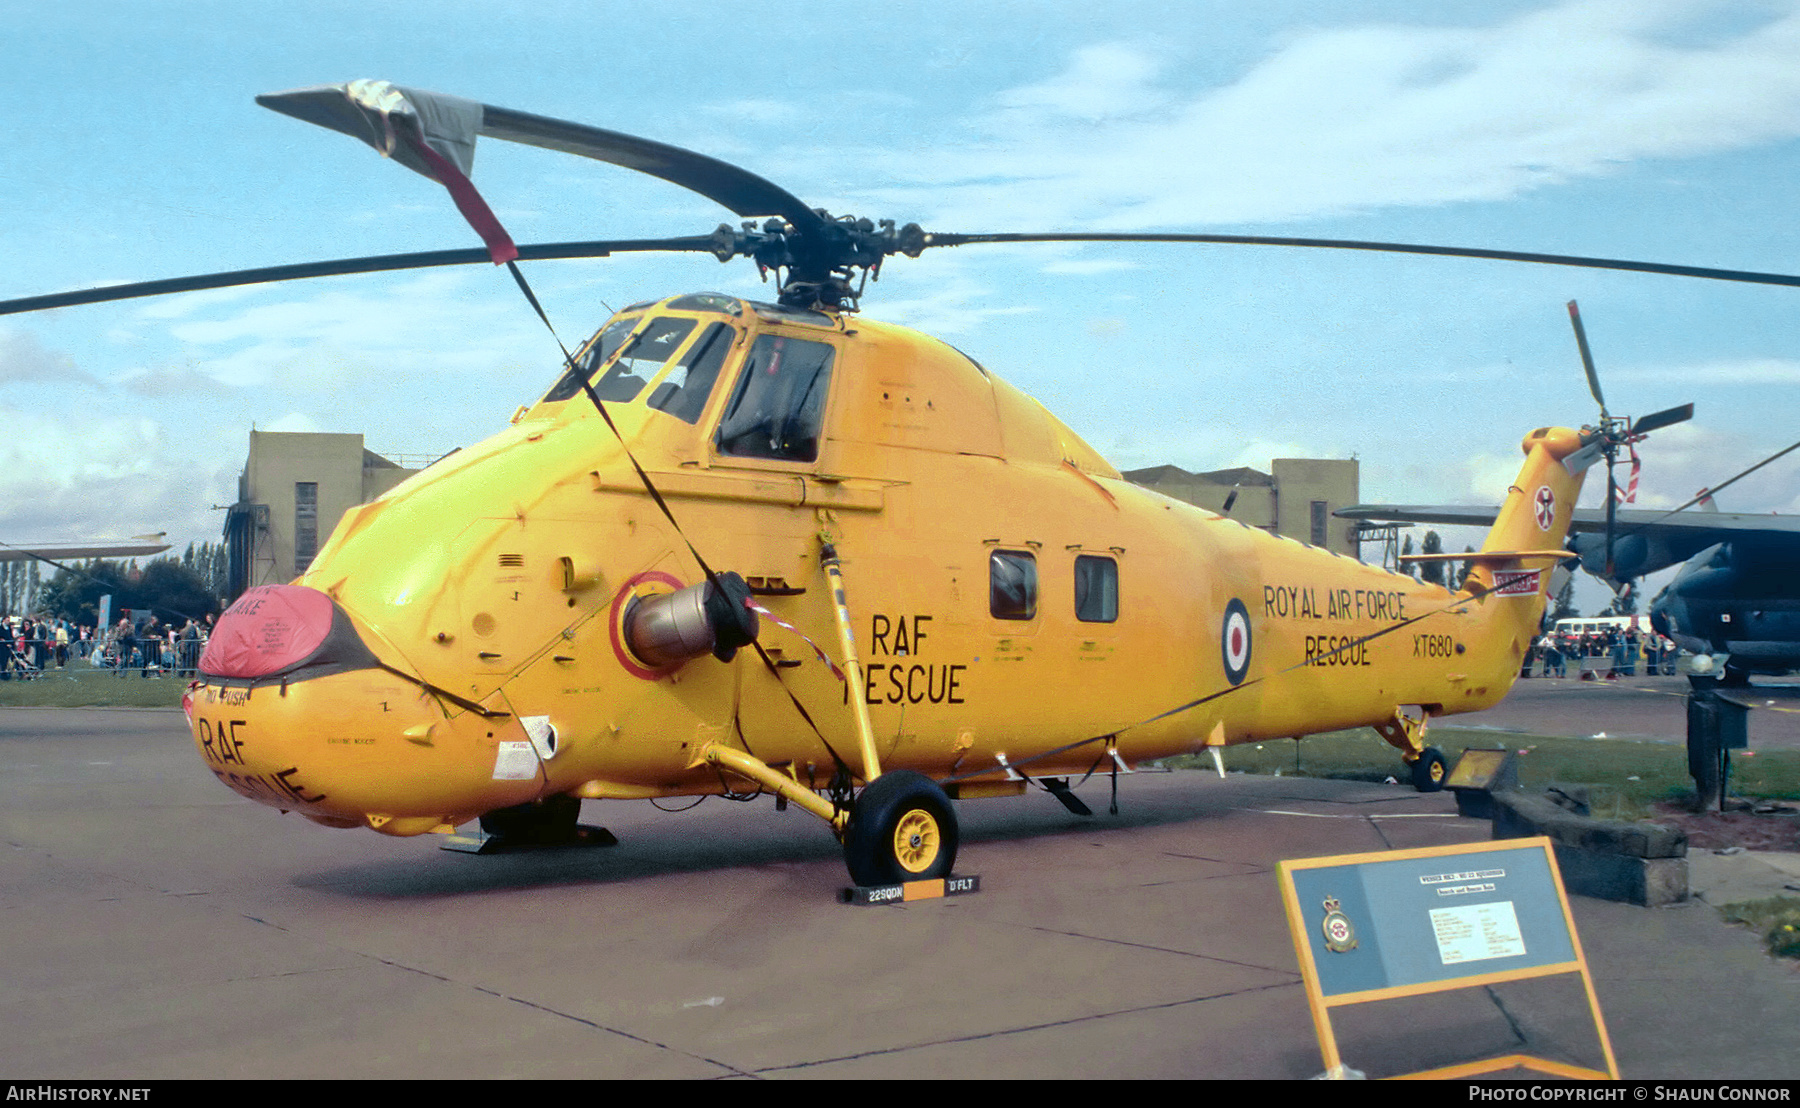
x,y
903,828
1429,771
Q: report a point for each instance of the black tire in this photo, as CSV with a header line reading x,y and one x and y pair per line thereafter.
x,y
902,829
1429,771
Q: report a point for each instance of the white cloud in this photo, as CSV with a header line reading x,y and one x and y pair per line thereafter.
x,y
103,477
1488,476
1358,118
1198,447
954,300
1085,267
1679,461
188,303
1107,81
338,339
23,358
758,111
295,423
1745,371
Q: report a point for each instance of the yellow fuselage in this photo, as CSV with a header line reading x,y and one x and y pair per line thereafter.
x,y
492,588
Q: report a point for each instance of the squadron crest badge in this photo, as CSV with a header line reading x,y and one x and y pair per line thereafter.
x,y
1340,933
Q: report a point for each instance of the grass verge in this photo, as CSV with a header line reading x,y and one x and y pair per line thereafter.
x,y
1777,919
86,687
1627,777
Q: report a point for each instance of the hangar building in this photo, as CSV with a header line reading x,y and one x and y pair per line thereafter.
x,y
1295,498
294,489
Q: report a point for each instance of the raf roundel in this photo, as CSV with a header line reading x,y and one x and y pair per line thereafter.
x,y
1234,641
1545,504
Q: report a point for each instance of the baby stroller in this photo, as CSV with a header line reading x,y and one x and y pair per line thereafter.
x,y
20,665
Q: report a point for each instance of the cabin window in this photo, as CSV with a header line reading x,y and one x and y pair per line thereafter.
x,y
778,408
1012,585
1096,589
684,392
1321,519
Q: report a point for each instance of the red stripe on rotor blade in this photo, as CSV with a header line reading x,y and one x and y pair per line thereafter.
x,y
469,202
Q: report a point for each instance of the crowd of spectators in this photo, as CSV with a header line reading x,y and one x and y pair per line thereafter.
x,y
33,645
1611,654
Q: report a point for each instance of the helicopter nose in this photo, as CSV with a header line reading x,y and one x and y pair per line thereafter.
x,y
283,633
296,709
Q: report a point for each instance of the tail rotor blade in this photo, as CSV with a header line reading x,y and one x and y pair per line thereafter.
x,y
1587,358
1657,420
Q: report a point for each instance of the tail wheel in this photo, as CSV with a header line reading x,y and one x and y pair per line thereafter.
x,y
1429,771
903,829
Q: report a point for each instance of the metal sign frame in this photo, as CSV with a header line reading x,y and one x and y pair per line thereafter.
x,y
1399,923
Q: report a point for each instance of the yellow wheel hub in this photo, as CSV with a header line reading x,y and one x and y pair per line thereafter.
x,y
1436,770
916,840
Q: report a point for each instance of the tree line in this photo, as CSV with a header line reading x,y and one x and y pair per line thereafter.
x,y
176,589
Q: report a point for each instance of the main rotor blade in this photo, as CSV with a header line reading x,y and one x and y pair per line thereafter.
x,y
1664,418
737,189
1747,276
373,264
358,109
1587,358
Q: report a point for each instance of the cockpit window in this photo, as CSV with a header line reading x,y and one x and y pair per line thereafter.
x,y
778,408
603,348
684,392
708,302
641,358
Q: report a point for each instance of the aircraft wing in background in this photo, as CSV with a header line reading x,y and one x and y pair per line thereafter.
x,y
1644,540
62,551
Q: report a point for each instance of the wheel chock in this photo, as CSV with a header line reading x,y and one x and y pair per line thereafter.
x,y
480,842
934,889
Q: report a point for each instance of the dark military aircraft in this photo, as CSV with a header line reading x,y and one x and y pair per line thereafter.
x,y
1735,594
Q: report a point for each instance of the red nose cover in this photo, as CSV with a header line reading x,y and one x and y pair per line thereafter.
x,y
271,628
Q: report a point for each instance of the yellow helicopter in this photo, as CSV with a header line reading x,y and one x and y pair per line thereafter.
x,y
924,588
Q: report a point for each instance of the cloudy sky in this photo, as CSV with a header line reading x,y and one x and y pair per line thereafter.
x,y
1665,130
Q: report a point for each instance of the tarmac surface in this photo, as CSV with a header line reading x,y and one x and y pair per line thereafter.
x,y
155,925
1633,708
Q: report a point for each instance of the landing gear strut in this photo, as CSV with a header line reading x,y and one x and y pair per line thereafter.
x,y
1406,733
901,828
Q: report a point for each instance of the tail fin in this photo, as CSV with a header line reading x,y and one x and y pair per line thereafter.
x,y
1525,544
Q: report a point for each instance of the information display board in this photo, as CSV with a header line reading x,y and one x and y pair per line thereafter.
x,y
1408,922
